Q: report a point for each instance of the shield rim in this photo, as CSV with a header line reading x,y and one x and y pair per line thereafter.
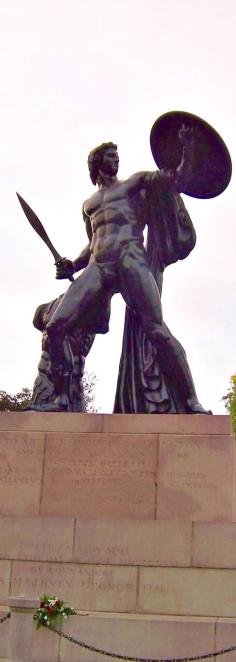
x,y
180,117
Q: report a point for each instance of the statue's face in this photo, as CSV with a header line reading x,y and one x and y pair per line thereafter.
x,y
110,163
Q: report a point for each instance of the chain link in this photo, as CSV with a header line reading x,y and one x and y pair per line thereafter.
x,y
4,618
223,651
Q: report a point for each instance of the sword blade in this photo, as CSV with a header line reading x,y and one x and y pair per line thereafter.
x,y
38,227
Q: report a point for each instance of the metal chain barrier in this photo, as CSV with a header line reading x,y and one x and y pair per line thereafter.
x,y
4,618
223,651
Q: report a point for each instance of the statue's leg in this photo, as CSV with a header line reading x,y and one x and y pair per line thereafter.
x,y
80,298
175,366
138,286
140,291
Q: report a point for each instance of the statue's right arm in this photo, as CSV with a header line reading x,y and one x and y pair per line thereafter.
x,y
83,259
66,268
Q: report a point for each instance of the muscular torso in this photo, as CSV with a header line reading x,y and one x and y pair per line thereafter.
x,y
113,217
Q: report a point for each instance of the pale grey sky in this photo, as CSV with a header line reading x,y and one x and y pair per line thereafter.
x,y
75,73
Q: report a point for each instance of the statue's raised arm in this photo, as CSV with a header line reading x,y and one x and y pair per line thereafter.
x,y
191,154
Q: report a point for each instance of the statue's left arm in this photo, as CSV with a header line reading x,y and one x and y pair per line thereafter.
x,y
178,179
171,235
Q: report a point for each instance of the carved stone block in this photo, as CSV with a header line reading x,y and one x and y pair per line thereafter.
x,y
131,542
192,591
166,424
102,588
36,538
138,635
5,573
195,477
97,476
21,461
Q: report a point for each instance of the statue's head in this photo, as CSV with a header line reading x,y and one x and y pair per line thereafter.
x,y
103,155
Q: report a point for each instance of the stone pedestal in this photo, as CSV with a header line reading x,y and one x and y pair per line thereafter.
x,y
131,519
21,630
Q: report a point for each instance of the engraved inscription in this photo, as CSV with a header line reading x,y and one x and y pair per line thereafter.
x,y
191,467
107,550
155,588
20,459
121,554
87,458
190,479
186,465
35,552
132,543
182,447
21,455
70,578
42,577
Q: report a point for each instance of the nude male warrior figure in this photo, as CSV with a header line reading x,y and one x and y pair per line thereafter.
x,y
115,261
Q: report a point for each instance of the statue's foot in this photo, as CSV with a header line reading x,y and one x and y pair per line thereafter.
x,y
194,407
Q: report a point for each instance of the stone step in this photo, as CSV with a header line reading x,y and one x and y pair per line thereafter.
x,y
147,636
140,636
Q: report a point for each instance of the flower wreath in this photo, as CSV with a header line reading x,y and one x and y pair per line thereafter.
x,y
51,610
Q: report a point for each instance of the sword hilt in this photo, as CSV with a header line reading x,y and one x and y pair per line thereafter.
x,y
63,259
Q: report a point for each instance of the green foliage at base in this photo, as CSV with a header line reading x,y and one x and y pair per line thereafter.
x,y
17,402
230,401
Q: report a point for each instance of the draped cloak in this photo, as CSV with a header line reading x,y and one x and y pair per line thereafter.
x,y
141,385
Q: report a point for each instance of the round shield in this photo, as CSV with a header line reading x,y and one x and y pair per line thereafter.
x,y
211,166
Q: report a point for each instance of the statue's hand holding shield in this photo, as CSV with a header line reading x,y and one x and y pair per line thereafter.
x,y
187,136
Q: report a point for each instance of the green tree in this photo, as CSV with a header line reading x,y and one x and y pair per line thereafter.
x,y
16,402
230,401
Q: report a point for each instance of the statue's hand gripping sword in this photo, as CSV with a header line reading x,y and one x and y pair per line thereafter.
x,y
38,227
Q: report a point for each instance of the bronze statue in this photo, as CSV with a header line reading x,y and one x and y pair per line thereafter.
x,y
154,374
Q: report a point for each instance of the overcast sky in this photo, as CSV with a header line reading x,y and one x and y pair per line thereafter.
x,y
75,73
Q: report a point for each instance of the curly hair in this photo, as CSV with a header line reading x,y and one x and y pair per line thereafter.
x,y
95,159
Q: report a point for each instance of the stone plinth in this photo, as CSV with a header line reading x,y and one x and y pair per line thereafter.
x,y
129,518
116,466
